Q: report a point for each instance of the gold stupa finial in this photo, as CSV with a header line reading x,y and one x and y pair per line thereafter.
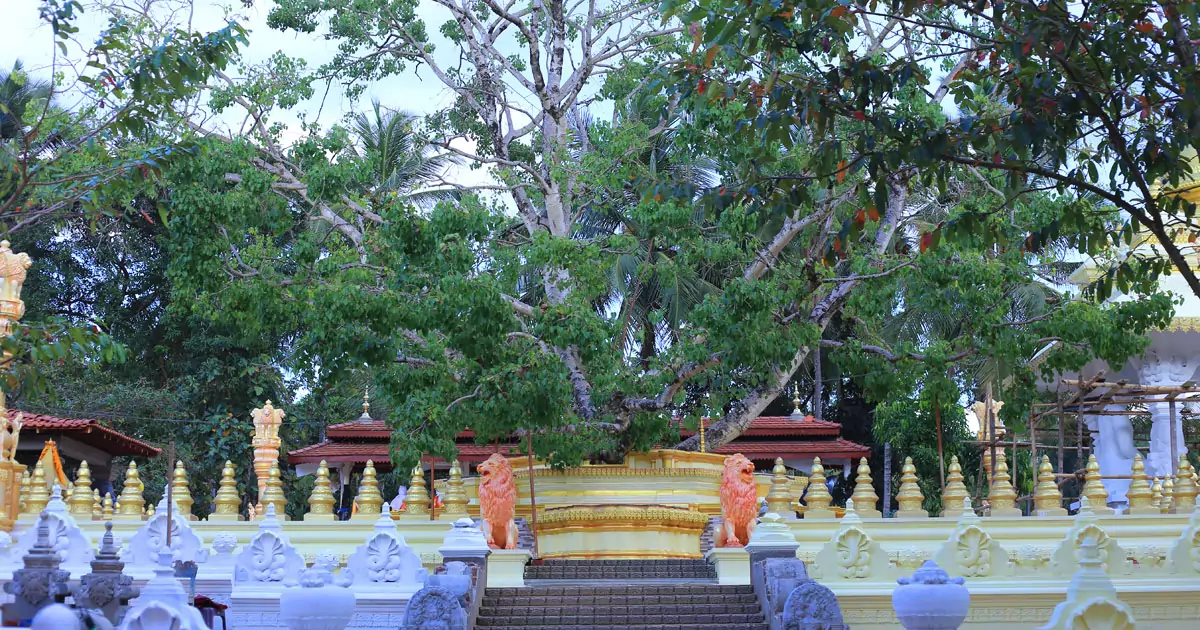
x,y
366,407
1002,496
1047,498
456,497
779,497
370,502
956,490
320,502
796,407
38,495
1140,493
131,500
1168,496
1093,488
181,494
106,509
1156,495
1183,496
416,502
910,496
274,494
80,501
817,499
864,495
227,502
96,505
703,446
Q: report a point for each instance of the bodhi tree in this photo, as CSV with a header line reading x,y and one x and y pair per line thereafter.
x,y
511,311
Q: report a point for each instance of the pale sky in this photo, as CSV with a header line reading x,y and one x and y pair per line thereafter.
x,y
26,37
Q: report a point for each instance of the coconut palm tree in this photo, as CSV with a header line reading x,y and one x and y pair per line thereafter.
x,y
17,92
404,164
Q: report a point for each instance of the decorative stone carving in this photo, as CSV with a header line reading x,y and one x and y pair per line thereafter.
x,y
1091,599
851,554
1184,556
931,600
812,606
385,562
739,503
106,588
1161,370
781,576
1086,526
56,617
317,604
66,538
970,551
497,502
151,539
269,560
163,603
435,608
41,582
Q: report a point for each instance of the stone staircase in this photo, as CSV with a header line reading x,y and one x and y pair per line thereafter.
x,y
620,594
710,530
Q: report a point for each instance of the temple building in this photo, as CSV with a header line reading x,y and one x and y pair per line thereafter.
x,y
796,438
76,440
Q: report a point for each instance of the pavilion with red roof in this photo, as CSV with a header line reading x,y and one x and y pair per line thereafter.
x,y
77,440
796,438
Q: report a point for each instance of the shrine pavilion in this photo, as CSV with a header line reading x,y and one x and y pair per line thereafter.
x,y
796,438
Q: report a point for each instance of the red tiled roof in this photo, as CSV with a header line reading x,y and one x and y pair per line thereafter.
x,y
833,449
377,452
86,430
356,429
807,426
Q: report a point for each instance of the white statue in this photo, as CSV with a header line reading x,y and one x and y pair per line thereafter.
x,y
1113,439
1164,371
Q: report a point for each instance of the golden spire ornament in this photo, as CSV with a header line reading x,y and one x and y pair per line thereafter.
x,y
106,510
97,511
1183,497
456,497
955,492
181,494
1047,498
80,502
370,502
227,503
1002,496
274,495
416,502
38,495
1156,494
1093,489
320,502
779,497
131,501
1168,496
149,510
817,500
703,446
864,495
910,497
1140,495
267,420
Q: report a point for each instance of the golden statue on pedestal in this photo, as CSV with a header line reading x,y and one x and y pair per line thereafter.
x,y
267,420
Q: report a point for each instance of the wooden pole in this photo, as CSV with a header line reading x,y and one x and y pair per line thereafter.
x,y
817,411
937,418
532,499
1062,431
991,424
887,478
170,494
432,490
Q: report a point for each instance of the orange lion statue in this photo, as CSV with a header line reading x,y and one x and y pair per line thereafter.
x,y
739,502
498,502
